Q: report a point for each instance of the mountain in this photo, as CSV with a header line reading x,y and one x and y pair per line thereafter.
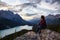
x,y
57,16
8,19
53,19
50,20
34,21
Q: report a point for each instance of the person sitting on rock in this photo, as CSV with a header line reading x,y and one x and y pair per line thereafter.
x,y
41,25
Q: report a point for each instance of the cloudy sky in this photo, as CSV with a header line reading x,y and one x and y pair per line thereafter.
x,y
34,8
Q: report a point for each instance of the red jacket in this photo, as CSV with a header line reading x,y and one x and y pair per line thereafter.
x,y
42,22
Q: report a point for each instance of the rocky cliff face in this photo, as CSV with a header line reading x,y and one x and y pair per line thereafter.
x,y
46,35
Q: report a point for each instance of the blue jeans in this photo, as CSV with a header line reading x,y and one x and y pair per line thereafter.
x,y
39,28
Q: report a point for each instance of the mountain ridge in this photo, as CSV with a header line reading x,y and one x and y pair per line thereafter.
x,y
8,18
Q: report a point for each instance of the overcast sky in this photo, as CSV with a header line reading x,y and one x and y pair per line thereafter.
x,y
43,7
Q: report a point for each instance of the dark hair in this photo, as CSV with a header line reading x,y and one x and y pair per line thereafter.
x,y
42,17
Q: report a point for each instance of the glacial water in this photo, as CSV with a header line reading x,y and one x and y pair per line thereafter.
x,y
6,32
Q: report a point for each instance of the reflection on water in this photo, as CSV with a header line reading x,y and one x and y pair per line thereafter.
x,y
6,32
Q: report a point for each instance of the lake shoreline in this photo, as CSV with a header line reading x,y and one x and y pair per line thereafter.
x,y
14,35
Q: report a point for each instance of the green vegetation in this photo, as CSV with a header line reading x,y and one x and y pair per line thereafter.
x,y
54,28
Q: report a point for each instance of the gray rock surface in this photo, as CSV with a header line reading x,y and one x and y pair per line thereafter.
x,y
45,35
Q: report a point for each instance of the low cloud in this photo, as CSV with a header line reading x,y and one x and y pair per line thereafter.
x,y
27,14
2,4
